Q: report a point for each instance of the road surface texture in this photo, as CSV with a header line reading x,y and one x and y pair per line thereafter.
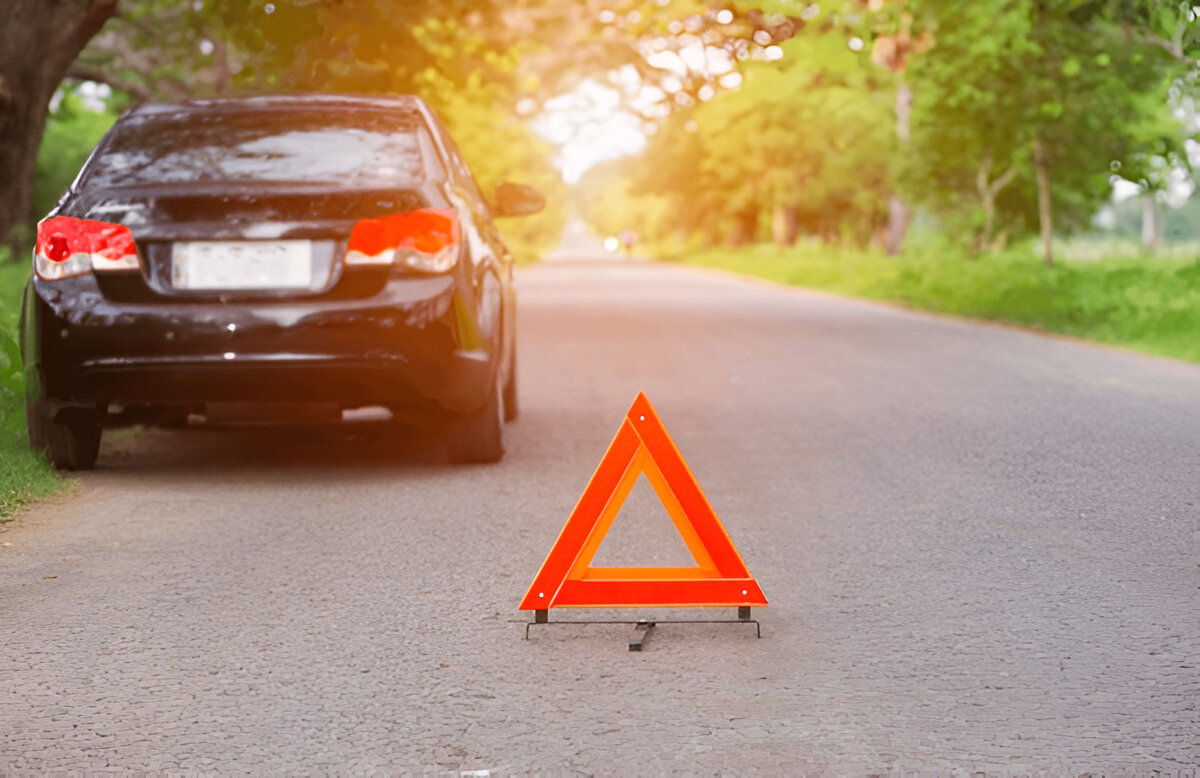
x,y
979,545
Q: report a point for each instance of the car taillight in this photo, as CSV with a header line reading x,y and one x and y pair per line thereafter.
x,y
426,240
68,247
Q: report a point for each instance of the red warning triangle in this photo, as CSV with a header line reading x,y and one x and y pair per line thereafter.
x,y
567,579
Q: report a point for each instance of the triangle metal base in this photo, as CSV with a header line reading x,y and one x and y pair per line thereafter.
x,y
642,627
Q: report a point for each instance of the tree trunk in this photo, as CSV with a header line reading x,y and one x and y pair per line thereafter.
x,y
898,214
21,126
988,191
745,227
989,221
1151,224
38,42
1043,184
783,225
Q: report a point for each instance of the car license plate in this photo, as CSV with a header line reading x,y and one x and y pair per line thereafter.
x,y
215,264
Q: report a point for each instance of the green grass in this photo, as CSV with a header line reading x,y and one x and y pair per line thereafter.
x,y
1146,304
24,476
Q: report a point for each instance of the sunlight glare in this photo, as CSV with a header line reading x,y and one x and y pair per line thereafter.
x,y
589,126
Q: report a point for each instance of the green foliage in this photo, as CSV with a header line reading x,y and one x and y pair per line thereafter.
x,y
24,476
1004,72
807,142
12,382
1179,225
167,50
71,133
12,379
1152,307
480,132
806,138
369,46
606,199
807,134
459,56
1172,27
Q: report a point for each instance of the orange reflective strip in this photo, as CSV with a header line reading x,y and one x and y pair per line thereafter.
x,y
664,594
583,518
682,484
604,523
678,515
646,573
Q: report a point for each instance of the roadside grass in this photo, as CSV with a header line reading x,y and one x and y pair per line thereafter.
x,y
24,475
1147,304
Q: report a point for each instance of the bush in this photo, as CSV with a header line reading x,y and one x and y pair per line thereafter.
x,y
24,475
1150,305
12,379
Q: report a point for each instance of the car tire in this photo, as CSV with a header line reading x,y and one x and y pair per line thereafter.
x,y
72,444
511,409
35,426
478,437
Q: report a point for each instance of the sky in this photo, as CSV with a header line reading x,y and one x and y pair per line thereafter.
x,y
592,123
588,126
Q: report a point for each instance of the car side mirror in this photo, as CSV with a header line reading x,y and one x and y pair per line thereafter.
x,y
518,200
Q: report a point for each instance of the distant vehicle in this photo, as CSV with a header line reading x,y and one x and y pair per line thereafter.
x,y
327,252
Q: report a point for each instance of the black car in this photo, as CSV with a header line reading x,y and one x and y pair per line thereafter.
x,y
315,252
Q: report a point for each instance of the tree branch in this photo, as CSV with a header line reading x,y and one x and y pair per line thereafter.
x,y
84,73
1172,47
136,24
98,12
981,176
1004,180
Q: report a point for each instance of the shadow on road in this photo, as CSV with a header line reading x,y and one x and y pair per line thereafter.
x,y
536,441
357,446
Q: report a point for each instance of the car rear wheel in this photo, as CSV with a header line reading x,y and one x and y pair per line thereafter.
x,y
478,437
511,409
71,444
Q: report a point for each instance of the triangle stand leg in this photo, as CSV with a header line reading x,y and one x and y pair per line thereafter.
x,y
640,633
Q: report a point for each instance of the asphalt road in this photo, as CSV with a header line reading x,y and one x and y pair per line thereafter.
x,y
979,544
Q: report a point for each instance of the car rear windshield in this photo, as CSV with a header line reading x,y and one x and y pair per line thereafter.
x,y
353,148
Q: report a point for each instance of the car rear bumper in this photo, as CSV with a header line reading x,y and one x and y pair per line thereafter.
x,y
399,347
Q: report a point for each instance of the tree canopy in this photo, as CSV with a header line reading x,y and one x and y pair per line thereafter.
x,y
810,143
766,118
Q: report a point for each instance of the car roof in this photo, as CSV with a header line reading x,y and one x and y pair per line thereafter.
x,y
285,102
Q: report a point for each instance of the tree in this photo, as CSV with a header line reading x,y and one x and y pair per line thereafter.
x,y
967,144
1159,155
524,51
1022,109
1093,93
803,142
1169,25
806,139
38,42
168,50
1172,28
455,54
895,41
606,199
